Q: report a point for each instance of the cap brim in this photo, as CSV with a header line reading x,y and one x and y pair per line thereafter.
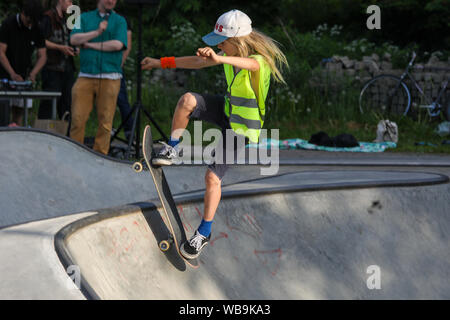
x,y
213,39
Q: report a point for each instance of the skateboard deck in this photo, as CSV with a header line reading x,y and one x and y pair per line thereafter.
x,y
173,220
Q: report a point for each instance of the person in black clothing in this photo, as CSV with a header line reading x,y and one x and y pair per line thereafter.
x,y
58,73
122,98
19,37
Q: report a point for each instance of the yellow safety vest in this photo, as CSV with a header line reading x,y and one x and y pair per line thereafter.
x,y
245,110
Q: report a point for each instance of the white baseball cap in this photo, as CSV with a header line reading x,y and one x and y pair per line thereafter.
x,y
231,24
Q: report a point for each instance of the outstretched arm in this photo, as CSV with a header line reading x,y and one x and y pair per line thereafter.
x,y
206,57
190,62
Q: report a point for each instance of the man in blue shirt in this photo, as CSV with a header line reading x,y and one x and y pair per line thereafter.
x,y
102,37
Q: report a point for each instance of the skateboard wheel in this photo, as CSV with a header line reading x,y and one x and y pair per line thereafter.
x,y
138,167
164,245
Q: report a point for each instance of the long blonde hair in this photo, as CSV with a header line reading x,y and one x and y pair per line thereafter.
x,y
258,43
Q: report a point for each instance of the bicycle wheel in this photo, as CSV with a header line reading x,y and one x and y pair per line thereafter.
x,y
385,94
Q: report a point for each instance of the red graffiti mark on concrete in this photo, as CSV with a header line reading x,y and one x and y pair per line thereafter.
x,y
198,212
123,241
130,245
266,257
222,235
185,221
141,229
114,242
252,220
227,222
117,242
255,231
231,228
125,234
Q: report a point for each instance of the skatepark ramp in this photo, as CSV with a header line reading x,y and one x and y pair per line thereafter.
x,y
44,175
305,233
277,240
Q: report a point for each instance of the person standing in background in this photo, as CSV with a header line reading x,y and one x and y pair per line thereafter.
x,y
102,37
58,73
122,100
19,37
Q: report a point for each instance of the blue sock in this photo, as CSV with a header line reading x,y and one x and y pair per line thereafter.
x,y
173,142
205,228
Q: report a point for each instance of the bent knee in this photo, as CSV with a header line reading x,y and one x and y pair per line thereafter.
x,y
188,101
211,179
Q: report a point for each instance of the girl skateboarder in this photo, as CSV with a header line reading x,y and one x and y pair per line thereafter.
x,y
249,59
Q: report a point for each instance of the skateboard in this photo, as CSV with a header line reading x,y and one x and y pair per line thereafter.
x,y
173,221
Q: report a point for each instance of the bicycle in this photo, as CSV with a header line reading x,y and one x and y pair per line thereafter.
x,y
389,94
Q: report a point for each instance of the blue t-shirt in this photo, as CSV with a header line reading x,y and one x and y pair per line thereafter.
x,y
95,61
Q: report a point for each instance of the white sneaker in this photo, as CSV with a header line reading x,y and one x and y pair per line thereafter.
x,y
192,248
166,156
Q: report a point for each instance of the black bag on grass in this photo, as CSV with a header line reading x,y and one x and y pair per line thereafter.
x,y
343,140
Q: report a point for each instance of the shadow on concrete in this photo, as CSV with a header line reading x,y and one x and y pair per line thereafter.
x,y
161,232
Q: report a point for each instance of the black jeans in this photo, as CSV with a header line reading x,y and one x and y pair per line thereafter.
x,y
124,106
59,82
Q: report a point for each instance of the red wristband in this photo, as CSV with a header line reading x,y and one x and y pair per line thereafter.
x,y
168,62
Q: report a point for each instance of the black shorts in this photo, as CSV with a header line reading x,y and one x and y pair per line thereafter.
x,y
210,108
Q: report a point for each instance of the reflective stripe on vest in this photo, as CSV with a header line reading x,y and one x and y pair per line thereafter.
x,y
251,124
244,102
